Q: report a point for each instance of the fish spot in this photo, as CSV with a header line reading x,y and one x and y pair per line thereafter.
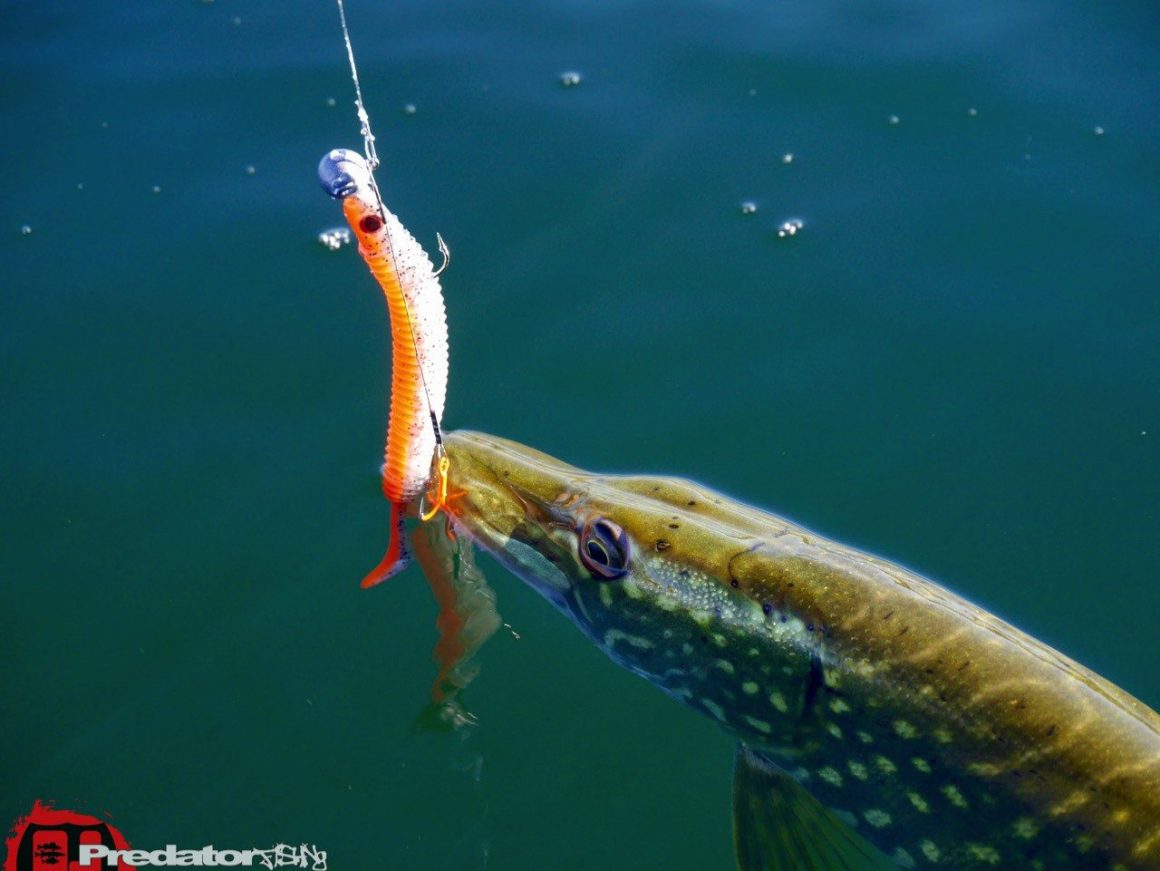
x,y
858,770
877,818
753,651
662,544
759,725
830,776
1083,843
921,764
885,765
983,853
942,735
686,648
866,669
631,590
606,595
1077,799
903,729
681,692
835,730
902,858
720,640
614,636
750,688
725,666
1025,828
930,850
954,796
984,769
919,802
713,708
864,736
838,706
778,701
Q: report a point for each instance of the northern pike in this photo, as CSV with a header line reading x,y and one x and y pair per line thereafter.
x,y
882,721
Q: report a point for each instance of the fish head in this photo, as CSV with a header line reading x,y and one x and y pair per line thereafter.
x,y
650,568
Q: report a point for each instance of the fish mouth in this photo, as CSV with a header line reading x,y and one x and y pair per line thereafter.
x,y
505,496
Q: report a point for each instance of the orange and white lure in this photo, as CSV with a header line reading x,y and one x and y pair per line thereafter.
x,y
415,457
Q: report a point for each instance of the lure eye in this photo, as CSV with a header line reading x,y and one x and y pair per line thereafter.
x,y
371,224
604,549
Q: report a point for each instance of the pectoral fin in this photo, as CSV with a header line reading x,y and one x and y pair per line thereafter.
x,y
778,826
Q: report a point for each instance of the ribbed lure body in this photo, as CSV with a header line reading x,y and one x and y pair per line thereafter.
x,y
419,358
418,344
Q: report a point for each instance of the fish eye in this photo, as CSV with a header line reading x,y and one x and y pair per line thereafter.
x,y
604,549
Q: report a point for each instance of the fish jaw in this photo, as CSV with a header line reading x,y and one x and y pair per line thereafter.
x,y
502,500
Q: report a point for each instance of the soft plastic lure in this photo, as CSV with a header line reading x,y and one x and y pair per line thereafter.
x,y
414,451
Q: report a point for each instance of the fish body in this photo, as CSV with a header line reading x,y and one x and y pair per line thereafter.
x,y
872,706
419,354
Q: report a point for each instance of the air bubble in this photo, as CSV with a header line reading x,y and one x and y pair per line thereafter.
x,y
894,120
972,111
410,109
787,157
25,230
790,227
251,169
334,238
570,79
748,207
1098,131
330,101
156,188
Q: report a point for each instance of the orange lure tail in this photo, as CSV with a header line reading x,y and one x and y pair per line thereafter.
x,y
397,557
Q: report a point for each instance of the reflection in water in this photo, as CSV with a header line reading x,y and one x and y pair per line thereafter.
x,y
467,618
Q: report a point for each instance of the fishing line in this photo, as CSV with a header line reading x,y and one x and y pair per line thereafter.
x,y
372,158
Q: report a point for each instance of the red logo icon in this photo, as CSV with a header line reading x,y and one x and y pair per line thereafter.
x,y
48,839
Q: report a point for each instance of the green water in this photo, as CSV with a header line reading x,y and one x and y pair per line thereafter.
x,y
955,363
